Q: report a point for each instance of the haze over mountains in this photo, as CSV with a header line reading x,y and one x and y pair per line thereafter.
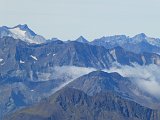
x,y
33,68
138,43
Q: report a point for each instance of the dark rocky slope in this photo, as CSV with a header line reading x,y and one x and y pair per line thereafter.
x,y
72,104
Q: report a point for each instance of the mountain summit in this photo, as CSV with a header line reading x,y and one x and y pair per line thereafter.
x,y
140,36
22,32
25,27
81,39
138,44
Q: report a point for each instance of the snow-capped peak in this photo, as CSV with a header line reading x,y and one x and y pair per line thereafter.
x,y
22,32
18,32
25,28
142,37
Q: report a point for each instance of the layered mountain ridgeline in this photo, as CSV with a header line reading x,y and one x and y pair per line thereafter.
x,y
72,104
28,67
99,81
95,96
22,63
29,59
19,94
138,44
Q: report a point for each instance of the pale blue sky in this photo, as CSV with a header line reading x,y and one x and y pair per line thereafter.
x,y
69,19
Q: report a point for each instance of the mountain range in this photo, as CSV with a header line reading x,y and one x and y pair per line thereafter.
x,y
139,43
62,76
72,103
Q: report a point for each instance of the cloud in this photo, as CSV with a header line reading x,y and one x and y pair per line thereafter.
x,y
69,73
63,72
146,77
72,71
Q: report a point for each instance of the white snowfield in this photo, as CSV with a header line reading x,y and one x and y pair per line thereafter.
x,y
18,32
1,60
34,57
24,33
22,61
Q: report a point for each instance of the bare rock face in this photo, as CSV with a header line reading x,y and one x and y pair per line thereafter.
x,y
72,104
97,95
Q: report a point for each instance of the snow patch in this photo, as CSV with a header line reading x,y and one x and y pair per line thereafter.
x,y
18,31
34,57
22,61
26,35
1,60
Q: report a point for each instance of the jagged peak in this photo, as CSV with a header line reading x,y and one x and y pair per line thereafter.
x,y
100,73
141,35
22,26
81,39
23,32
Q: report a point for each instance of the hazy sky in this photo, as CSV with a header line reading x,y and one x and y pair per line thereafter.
x,y
69,19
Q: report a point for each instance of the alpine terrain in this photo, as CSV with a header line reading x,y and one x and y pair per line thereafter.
x,y
109,78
